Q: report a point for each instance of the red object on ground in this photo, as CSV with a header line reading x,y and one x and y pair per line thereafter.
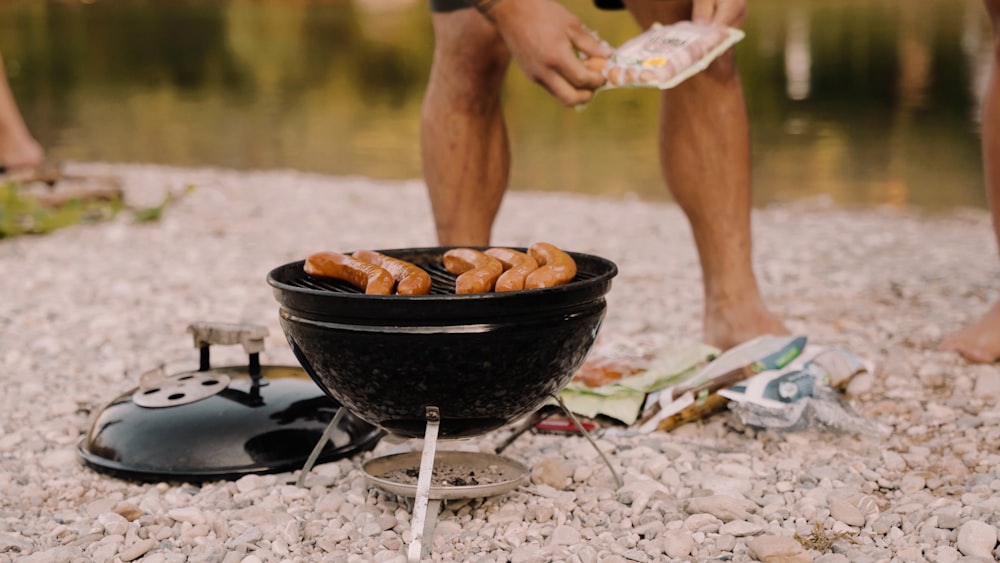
x,y
563,425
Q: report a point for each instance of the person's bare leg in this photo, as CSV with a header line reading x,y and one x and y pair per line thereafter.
x,y
980,341
705,158
464,146
18,149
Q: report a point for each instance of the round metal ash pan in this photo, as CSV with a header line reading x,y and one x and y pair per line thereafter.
x,y
457,475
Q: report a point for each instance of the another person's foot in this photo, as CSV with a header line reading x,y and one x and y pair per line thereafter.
x,y
980,341
21,155
726,327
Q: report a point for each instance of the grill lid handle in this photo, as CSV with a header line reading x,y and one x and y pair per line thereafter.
x,y
250,336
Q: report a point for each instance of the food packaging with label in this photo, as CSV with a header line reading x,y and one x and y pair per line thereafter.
x,y
663,56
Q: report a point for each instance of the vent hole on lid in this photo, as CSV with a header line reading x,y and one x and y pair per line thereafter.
x,y
176,396
209,382
185,378
151,391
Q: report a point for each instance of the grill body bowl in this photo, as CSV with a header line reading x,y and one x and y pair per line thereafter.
x,y
484,360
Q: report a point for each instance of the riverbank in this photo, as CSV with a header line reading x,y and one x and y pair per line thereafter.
x,y
89,308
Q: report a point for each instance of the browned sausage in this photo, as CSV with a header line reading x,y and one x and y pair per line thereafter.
x,y
516,264
410,278
477,272
556,267
369,277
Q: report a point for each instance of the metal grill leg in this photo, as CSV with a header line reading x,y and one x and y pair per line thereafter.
x,y
423,522
618,479
314,455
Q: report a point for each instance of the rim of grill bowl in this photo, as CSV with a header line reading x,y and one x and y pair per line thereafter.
x,y
328,300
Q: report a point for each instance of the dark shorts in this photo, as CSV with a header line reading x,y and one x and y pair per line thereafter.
x,y
452,5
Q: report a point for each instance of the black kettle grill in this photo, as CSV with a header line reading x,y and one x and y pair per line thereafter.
x,y
483,359
441,364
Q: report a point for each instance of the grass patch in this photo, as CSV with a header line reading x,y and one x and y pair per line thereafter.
x,y
30,212
822,541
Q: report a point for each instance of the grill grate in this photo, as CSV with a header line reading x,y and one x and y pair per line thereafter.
x,y
442,281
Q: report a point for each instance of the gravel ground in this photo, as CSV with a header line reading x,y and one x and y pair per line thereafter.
x,y
89,308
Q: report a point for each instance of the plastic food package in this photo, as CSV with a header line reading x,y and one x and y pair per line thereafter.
x,y
663,56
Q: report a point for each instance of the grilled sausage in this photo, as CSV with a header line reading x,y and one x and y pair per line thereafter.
x,y
516,264
410,278
556,267
369,277
477,272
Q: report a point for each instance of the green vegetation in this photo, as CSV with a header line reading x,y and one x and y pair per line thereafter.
x,y
24,213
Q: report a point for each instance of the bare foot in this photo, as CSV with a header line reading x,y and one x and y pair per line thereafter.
x,y
21,154
725,327
980,341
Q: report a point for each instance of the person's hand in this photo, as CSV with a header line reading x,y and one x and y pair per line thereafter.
x,y
724,12
544,37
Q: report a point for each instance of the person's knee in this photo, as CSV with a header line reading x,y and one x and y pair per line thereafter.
x,y
993,10
723,69
646,12
466,44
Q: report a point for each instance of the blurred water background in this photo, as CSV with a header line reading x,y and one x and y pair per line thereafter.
x,y
870,102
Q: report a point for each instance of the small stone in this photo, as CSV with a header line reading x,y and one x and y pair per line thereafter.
x,y
702,523
511,512
847,513
527,553
137,550
582,473
190,515
945,554
678,544
128,511
330,502
893,461
912,483
554,472
565,535
778,549
987,384
977,539
723,507
740,528
948,519
14,542
59,458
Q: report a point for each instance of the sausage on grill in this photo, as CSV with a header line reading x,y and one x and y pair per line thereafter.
x,y
373,279
516,264
410,278
555,266
477,272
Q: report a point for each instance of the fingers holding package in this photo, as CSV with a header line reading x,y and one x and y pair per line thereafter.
x,y
544,39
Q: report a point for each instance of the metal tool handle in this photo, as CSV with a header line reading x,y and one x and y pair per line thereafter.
x,y
250,336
